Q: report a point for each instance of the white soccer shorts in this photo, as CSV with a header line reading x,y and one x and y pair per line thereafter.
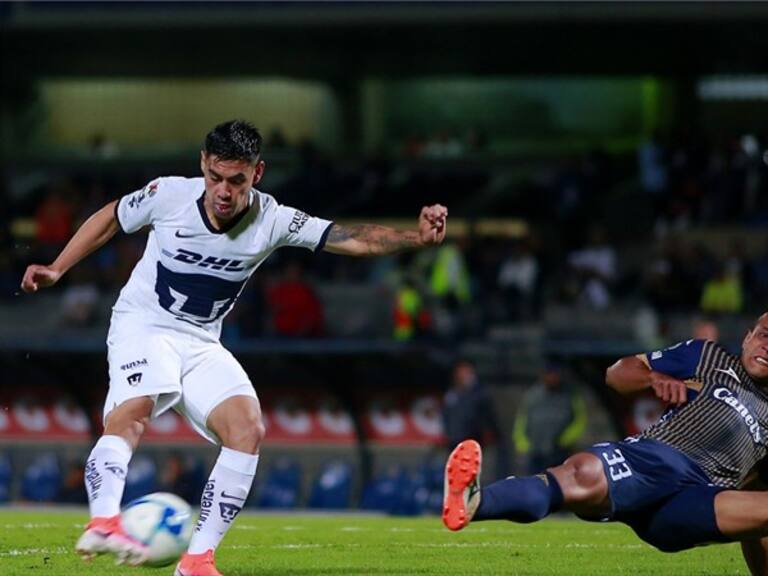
x,y
176,369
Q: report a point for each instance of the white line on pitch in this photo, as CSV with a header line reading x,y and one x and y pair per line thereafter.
x,y
30,551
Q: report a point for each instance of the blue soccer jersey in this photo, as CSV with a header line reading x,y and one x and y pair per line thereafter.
x,y
724,426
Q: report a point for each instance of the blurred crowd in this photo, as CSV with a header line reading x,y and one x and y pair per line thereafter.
x,y
603,230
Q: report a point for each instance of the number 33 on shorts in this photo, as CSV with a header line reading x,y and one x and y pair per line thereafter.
x,y
617,465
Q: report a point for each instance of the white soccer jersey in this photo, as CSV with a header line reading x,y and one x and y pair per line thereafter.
x,y
191,274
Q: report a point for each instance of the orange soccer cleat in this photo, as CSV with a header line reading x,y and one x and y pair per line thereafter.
x,y
105,535
197,565
461,495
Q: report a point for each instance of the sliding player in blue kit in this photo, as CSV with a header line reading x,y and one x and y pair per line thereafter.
x,y
693,478
207,237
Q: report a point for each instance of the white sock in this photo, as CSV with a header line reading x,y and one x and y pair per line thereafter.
x,y
224,495
105,473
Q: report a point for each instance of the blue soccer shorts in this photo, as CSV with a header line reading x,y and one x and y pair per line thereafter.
x,y
659,492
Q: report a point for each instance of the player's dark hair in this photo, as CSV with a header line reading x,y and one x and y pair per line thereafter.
x,y
234,140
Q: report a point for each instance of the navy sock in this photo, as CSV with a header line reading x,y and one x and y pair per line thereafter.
x,y
520,499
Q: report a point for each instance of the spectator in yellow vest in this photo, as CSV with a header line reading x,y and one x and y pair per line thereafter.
x,y
551,420
722,293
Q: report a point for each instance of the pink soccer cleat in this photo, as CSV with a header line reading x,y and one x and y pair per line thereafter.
x,y
105,535
461,495
197,565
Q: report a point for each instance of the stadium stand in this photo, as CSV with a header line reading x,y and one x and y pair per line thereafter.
x,y
332,488
674,183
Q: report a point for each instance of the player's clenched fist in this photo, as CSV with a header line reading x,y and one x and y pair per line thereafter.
x,y
668,389
38,276
432,224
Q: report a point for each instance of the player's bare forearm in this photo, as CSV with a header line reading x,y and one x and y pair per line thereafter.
x,y
370,240
628,375
375,240
94,232
633,374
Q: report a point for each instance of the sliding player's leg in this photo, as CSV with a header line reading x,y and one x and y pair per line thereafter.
x,y
624,481
578,485
742,515
689,518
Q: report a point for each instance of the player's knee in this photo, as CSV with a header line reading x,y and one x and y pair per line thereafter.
x,y
245,433
588,472
130,429
135,430
128,422
259,432
581,478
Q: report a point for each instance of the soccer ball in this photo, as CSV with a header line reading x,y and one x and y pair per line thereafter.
x,y
163,522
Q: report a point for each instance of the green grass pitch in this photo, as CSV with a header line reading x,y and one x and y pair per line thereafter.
x,y
40,543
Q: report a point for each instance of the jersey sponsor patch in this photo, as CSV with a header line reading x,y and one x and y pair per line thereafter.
x,y
297,222
197,298
725,395
190,257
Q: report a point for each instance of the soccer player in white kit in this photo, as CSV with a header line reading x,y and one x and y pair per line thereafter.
x,y
207,236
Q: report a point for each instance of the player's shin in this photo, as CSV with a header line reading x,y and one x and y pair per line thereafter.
x,y
224,496
520,499
105,472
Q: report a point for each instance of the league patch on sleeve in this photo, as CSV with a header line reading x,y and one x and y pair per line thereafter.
x,y
151,188
137,209
144,194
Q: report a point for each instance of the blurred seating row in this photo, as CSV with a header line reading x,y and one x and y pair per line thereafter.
x,y
395,490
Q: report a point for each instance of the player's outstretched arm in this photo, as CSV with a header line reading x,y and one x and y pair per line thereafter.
x,y
633,374
94,232
375,240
